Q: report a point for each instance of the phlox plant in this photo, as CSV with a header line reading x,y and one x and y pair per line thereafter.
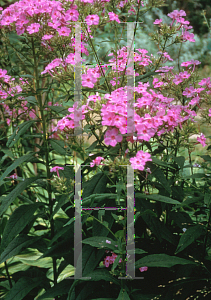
x,y
40,114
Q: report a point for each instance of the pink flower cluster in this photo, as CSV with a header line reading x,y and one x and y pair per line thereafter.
x,y
154,113
178,17
143,269
139,161
108,260
96,161
72,120
202,140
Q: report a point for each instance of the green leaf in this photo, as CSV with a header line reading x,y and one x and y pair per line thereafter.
x,y
139,251
190,235
90,200
159,229
161,163
115,264
102,80
104,299
62,232
69,271
32,100
123,295
17,244
20,130
119,188
180,160
206,157
15,164
58,146
96,185
17,222
102,274
70,221
57,290
90,259
100,242
159,175
161,260
23,287
59,109
62,199
157,197
31,258
197,175
207,199
6,201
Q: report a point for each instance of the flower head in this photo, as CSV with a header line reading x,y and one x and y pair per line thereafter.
x,y
56,169
202,140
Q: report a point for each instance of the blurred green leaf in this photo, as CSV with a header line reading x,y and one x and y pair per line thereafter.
x,y
18,132
6,201
162,260
190,235
17,222
21,289
16,245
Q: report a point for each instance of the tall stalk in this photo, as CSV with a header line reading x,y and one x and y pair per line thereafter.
x,y
46,147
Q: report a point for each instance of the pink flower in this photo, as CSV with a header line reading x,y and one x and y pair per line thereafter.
x,y
64,31
158,21
56,169
177,80
187,36
88,80
108,260
144,155
209,112
13,176
194,101
3,73
112,137
92,20
184,75
143,269
139,161
96,161
202,140
205,81
189,92
34,27
185,64
71,15
47,37
176,14
113,17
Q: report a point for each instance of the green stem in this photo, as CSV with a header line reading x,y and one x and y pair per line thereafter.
x,y
206,236
8,275
97,59
46,146
131,43
180,48
100,223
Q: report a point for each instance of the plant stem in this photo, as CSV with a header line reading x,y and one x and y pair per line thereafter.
x,y
8,275
46,147
206,236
